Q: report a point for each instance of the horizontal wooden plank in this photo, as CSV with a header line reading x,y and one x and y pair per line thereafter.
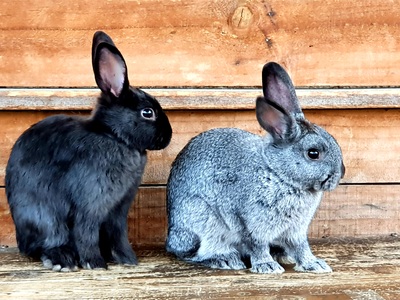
x,y
203,43
374,262
370,138
357,210
363,269
349,211
197,99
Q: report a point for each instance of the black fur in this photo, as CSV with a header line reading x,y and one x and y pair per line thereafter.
x,y
70,181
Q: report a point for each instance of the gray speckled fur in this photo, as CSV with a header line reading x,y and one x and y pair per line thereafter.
x,y
232,194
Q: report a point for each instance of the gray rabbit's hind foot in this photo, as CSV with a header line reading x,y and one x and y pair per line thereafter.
x,y
279,254
224,261
315,266
185,244
270,267
182,242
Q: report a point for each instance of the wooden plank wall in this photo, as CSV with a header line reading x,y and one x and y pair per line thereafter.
x,y
203,43
343,55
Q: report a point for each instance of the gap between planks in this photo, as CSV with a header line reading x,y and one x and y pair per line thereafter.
x,y
199,99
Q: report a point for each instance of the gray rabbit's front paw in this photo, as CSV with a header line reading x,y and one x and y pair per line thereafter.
x,y
271,267
316,266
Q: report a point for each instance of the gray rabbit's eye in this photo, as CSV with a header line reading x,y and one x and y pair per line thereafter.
x,y
148,113
313,153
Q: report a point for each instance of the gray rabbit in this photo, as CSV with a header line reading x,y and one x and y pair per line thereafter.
x,y
236,199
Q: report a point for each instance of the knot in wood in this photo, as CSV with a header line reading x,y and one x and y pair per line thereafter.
x,y
242,18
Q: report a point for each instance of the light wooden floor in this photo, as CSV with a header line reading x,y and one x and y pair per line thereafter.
x,y
363,269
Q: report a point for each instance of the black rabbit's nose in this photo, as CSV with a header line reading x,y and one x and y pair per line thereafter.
x,y
343,170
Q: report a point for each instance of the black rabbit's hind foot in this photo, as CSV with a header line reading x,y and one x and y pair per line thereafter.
x,y
60,259
125,258
94,263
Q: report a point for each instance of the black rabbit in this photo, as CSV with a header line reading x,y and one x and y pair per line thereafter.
x,y
70,181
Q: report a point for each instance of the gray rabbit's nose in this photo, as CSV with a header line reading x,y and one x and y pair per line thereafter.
x,y
343,170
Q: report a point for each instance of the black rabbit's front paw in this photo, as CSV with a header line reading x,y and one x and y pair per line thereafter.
x,y
57,267
60,259
271,267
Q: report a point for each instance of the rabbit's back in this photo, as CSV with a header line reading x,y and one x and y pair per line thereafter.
x,y
212,152
66,156
214,165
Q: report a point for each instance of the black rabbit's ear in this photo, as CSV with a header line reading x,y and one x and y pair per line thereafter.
x,y
98,38
109,66
278,88
276,121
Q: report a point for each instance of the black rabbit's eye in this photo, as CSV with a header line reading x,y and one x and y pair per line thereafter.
x,y
148,113
313,154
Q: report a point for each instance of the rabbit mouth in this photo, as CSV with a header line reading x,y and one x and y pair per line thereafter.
x,y
160,143
328,184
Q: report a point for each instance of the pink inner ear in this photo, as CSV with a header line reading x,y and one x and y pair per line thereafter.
x,y
274,121
279,93
112,71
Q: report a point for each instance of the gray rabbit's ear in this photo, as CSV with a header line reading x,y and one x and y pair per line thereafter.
x,y
109,66
278,88
276,121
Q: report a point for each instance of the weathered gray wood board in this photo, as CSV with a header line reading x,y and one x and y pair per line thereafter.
x,y
363,269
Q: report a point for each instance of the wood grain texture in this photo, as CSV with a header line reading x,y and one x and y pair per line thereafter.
x,y
349,211
203,43
358,210
199,99
370,138
7,229
363,269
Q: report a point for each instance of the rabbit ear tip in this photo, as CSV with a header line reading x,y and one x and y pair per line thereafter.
x,y
273,68
99,32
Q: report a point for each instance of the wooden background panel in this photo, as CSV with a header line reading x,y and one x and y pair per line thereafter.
x,y
147,218
7,230
370,139
203,43
356,210
349,211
